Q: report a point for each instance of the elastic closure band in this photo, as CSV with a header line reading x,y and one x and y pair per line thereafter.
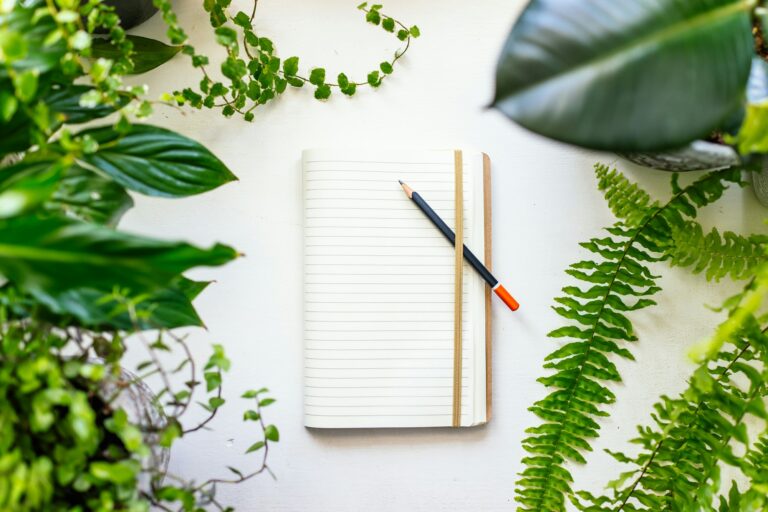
x,y
458,292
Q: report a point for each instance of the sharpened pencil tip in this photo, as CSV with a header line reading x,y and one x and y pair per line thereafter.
x,y
407,189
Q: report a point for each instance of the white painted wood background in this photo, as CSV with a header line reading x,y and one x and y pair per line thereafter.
x,y
545,202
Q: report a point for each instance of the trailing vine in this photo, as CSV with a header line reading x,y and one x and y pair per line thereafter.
x,y
254,73
618,281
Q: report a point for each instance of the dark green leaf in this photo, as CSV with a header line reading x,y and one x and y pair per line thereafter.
x,y
47,257
156,161
66,101
386,68
323,92
90,197
147,53
242,20
596,83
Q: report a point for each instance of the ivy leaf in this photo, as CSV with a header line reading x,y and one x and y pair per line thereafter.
x,y
323,92
271,433
350,89
156,161
242,20
414,30
226,36
386,68
402,34
373,16
291,66
343,81
373,79
388,24
317,76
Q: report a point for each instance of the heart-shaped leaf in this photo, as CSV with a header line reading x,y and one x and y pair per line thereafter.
x,y
625,75
147,53
156,161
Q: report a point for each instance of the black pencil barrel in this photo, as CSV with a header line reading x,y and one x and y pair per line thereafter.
x,y
451,236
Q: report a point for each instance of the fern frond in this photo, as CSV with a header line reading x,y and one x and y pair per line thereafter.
x,y
616,282
693,434
716,255
626,200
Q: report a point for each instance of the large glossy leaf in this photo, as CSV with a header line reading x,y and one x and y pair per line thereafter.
x,y
156,161
46,257
626,75
87,196
147,53
167,308
65,101
26,185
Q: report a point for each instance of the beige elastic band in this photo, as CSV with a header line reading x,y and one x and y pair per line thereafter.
x,y
458,292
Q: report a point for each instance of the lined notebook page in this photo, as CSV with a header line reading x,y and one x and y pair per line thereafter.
x,y
378,291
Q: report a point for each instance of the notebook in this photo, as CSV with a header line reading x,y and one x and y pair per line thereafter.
x,y
379,290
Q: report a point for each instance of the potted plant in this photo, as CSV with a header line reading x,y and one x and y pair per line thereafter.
x,y
77,291
645,80
670,86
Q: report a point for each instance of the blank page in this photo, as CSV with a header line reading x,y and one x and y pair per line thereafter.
x,y
378,290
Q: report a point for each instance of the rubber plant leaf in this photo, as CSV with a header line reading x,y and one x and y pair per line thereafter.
x,y
624,75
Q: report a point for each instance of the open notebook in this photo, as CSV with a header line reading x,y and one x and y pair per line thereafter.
x,y
379,290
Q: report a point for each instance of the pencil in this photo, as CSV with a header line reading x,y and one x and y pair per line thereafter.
x,y
494,283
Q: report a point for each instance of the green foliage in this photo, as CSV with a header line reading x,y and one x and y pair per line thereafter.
x,y
694,435
252,67
614,283
76,290
605,72
146,53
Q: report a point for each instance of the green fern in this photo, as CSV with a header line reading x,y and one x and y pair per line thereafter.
x,y
693,434
729,254
617,282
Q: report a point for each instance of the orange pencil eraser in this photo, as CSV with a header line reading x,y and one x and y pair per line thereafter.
x,y
508,299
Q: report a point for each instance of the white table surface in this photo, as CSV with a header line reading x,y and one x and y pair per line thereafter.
x,y
545,202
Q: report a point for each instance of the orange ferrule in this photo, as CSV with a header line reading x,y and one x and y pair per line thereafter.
x,y
508,299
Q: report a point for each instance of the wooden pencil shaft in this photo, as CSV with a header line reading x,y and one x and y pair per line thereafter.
x,y
451,236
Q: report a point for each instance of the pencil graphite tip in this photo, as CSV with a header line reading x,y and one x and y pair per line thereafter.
x,y
407,189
